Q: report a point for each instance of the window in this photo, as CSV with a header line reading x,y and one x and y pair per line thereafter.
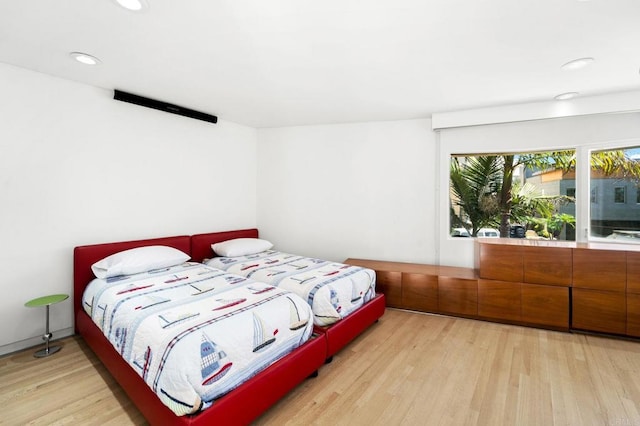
x,y
536,194
515,195
614,173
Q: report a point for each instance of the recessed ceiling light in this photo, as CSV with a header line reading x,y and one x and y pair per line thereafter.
x,y
565,96
577,64
85,58
134,5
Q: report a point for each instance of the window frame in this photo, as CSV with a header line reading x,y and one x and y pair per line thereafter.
x,y
583,174
582,182
616,193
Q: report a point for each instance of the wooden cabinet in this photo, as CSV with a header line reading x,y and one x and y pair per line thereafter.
x,y
425,288
501,262
524,282
600,282
458,296
517,261
499,300
598,310
633,315
522,303
633,294
599,290
545,305
548,265
589,287
633,272
420,292
599,269
390,284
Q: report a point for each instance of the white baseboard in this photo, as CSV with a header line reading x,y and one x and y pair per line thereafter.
x,y
34,341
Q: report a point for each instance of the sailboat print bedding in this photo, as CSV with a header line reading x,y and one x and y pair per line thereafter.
x,y
333,290
194,332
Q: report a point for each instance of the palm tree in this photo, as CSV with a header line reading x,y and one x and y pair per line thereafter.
x,y
475,185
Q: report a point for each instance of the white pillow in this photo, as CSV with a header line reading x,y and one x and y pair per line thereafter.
x,y
241,247
136,260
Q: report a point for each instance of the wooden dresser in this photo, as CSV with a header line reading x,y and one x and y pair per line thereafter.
x,y
524,283
556,285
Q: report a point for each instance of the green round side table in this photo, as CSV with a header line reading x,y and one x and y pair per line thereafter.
x,y
46,301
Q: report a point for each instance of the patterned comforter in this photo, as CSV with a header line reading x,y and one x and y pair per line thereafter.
x,y
333,290
194,332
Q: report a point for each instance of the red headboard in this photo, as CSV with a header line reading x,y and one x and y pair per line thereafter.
x,y
201,243
85,256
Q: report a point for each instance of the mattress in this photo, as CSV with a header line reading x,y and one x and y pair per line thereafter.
x,y
193,332
333,290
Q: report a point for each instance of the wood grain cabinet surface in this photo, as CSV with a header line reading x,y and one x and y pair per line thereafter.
x,y
390,284
420,292
425,288
633,315
548,265
599,310
633,294
499,300
633,272
600,269
545,305
589,287
501,262
458,296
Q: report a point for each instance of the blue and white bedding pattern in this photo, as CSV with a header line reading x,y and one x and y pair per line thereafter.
x,y
333,290
194,332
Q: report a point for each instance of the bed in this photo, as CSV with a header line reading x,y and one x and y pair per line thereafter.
x,y
240,405
365,306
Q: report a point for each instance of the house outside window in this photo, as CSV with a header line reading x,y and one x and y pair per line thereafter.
x,y
613,174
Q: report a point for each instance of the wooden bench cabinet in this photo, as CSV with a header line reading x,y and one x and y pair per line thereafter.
x,y
599,290
558,285
538,305
419,292
545,305
458,296
390,284
425,288
499,300
524,282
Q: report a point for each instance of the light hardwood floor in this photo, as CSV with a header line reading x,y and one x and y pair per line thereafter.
x,y
407,369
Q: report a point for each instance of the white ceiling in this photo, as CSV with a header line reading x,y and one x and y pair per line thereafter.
x,y
294,62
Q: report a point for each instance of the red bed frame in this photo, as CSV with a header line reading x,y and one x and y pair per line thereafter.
x,y
339,334
240,406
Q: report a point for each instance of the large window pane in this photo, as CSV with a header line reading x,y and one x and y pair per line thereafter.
x,y
614,177
516,195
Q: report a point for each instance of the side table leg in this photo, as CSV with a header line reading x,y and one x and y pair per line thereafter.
x,y
47,336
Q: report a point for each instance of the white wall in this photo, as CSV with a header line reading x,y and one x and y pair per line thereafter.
x,y
77,167
573,132
349,190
